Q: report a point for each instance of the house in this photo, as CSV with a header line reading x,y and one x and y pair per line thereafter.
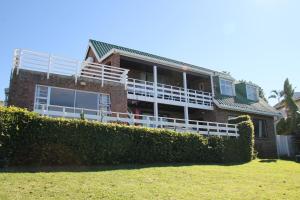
x,y
281,108
118,84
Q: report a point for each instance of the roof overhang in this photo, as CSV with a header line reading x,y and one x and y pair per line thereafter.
x,y
246,110
157,61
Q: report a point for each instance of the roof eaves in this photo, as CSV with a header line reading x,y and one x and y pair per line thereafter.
x,y
95,51
158,61
222,106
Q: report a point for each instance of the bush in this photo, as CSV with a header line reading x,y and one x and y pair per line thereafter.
x,y
29,139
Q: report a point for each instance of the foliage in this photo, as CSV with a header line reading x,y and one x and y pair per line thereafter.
x,y
290,125
261,94
30,139
276,94
246,131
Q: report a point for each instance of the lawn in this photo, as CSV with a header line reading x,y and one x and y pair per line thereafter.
x,y
259,179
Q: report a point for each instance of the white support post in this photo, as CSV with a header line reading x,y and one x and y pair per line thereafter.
x,y
212,86
49,66
155,95
102,76
186,107
77,72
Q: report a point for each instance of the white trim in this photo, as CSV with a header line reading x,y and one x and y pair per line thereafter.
x,y
95,52
199,127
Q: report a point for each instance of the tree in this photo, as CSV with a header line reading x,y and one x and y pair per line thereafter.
x,y
261,94
276,94
289,125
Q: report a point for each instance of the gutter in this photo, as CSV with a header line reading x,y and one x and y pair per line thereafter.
x,y
243,110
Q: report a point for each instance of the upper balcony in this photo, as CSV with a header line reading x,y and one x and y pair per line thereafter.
x,y
168,94
167,85
50,64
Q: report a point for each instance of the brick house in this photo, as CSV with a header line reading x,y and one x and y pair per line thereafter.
x,y
115,83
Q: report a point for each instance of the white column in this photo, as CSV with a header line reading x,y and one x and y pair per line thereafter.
x,y
155,94
212,86
186,107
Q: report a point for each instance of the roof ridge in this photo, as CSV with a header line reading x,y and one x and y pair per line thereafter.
x,y
143,53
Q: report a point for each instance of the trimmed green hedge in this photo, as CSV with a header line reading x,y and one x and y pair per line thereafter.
x,y
29,139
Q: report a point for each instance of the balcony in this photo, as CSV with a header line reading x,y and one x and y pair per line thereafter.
x,y
167,94
50,64
201,127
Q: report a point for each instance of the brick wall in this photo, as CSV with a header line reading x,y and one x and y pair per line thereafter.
x,y
112,60
22,88
266,147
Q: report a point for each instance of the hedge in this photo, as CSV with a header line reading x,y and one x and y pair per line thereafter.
x,y
29,139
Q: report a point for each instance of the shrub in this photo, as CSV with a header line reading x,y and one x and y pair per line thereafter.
x,y
29,139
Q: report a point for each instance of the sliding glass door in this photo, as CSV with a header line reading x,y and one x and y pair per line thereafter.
x,y
69,100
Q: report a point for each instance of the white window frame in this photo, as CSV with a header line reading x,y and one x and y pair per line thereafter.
x,y
232,86
99,95
250,88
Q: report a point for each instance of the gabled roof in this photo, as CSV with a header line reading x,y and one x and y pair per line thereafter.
x,y
237,103
103,49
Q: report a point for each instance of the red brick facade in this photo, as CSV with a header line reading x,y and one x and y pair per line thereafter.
x,y
22,88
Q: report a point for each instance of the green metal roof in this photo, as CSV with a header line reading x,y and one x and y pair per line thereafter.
x,y
232,103
103,48
240,102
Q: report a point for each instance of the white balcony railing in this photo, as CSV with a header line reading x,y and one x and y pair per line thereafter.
x,y
50,64
144,90
201,127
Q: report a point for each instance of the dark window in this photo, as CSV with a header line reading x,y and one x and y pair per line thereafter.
x,y
86,100
260,128
62,97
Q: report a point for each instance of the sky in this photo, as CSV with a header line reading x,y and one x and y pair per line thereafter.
x,y
254,40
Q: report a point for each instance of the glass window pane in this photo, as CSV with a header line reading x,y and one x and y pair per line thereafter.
x,y
62,97
86,100
226,87
42,91
251,92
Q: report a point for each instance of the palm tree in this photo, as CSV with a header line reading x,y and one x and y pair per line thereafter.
x,y
276,94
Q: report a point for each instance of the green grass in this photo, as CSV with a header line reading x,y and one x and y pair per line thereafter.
x,y
255,180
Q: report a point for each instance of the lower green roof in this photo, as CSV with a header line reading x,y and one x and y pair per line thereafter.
x,y
232,103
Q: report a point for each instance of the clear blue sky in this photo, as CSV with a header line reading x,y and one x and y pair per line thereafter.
x,y
256,40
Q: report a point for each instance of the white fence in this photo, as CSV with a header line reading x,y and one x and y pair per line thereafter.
x,y
285,145
167,94
202,127
50,64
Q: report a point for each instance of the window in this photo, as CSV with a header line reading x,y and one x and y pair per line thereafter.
x,y
226,87
62,97
86,100
251,92
260,128
41,96
104,102
71,98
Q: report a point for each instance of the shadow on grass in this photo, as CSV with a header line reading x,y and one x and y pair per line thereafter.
x,y
268,160
99,168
